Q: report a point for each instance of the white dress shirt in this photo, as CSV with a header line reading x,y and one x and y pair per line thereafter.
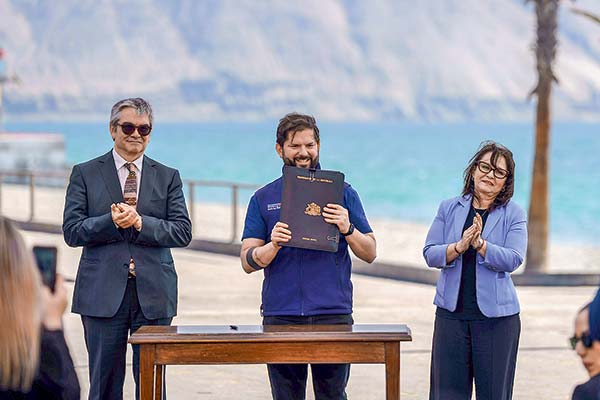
x,y
123,172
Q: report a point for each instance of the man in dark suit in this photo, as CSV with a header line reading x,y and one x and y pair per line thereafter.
x,y
127,211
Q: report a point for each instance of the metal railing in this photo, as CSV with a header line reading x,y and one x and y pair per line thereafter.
x,y
31,177
235,188
51,179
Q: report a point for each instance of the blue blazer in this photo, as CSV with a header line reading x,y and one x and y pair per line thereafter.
x,y
506,234
104,264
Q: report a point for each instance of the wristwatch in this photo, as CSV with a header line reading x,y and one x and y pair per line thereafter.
x,y
350,231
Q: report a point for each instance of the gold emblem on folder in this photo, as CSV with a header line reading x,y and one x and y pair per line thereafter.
x,y
312,209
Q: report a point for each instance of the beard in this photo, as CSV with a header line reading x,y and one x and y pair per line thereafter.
x,y
294,162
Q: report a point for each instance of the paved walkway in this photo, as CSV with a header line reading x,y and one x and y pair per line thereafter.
x,y
213,289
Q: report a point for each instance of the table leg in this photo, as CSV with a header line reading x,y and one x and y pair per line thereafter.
x,y
158,390
147,371
392,370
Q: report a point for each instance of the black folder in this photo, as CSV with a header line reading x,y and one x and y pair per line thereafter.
x,y
305,193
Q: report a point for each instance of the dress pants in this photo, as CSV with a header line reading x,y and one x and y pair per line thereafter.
x,y
106,342
481,350
288,381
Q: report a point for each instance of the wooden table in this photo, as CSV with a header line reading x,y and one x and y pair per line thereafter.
x,y
257,344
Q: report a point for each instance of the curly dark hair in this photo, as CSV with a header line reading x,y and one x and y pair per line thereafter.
x,y
497,151
295,122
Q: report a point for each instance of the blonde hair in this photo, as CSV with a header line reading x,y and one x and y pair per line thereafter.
x,y
20,311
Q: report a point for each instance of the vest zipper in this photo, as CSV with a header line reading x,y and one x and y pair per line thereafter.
x,y
301,281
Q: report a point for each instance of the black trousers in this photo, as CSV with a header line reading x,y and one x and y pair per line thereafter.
x,y
288,381
484,351
106,342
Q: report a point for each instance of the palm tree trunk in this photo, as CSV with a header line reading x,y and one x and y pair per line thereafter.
x,y
537,251
545,50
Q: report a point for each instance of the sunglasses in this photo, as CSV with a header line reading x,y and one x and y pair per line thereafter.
x,y
486,168
586,340
128,128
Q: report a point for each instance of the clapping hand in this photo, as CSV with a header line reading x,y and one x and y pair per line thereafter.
x,y
478,224
463,244
125,216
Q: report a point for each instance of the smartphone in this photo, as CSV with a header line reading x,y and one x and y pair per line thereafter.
x,y
46,258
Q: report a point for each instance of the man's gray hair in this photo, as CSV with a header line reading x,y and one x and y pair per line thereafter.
x,y
140,106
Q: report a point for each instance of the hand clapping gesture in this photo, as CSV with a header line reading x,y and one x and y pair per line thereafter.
x,y
478,224
463,244
125,216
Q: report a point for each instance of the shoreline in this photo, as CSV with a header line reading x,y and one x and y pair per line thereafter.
x,y
398,242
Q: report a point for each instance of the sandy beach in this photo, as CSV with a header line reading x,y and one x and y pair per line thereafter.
x,y
398,242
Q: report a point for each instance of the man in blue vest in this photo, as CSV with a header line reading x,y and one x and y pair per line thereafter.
x,y
304,287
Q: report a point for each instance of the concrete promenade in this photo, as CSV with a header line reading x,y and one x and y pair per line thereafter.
x,y
214,290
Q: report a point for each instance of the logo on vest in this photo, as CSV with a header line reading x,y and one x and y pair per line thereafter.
x,y
273,206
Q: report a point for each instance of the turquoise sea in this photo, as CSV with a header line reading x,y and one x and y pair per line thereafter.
x,y
402,171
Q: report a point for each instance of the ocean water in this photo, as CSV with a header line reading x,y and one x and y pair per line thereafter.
x,y
401,171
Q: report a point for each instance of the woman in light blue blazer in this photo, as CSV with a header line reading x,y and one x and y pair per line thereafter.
x,y
476,240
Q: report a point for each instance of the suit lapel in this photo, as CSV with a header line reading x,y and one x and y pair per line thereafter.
x,y
146,185
462,210
492,221
110,177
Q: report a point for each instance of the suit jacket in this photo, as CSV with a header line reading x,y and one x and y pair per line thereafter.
x,y
506,234
103,267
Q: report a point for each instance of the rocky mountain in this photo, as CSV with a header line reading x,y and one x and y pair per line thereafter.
x,y
426,60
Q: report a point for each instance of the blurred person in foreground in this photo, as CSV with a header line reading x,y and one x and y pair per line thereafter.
x,y
301,286
126,211
586,342
34,359
477,239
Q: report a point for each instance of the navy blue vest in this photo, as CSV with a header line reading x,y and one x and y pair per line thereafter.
x,y
300,281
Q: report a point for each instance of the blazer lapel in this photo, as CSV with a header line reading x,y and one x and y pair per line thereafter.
x,y
492,221
146,185
462,210
110,177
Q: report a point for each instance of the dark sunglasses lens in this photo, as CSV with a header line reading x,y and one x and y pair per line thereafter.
x,y
128,129
144,130
586,340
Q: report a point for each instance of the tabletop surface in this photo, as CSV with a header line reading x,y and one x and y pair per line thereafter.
x,y
271,333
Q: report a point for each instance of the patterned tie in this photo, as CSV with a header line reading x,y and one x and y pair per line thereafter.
x,y
130,197
130,189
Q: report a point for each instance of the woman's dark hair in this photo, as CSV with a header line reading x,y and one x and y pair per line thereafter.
x,y
497,151
294,122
